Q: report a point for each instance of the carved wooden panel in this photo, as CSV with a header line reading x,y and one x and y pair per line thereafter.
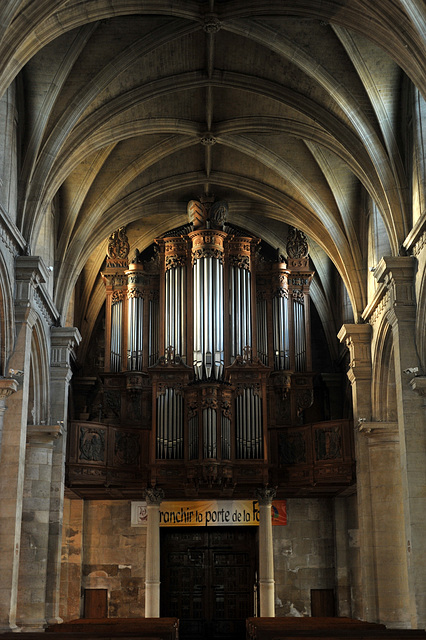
x,y
105,455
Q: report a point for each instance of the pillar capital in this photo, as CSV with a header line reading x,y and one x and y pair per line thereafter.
x,y
31,292
379,433
154,496
7,387
418,384
397,275
357,337
43,434
265,495
63,340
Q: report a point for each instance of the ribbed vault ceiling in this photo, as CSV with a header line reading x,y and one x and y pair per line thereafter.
x,y
288,110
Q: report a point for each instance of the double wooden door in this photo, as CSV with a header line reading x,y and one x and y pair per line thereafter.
x,y
208,579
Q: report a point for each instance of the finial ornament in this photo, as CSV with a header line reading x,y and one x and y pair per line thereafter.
x,y
202,214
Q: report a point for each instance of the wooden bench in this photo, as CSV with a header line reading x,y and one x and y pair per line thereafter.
x,y
312,628
162,628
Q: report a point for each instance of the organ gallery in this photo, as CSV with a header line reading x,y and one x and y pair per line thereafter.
x,y
207,385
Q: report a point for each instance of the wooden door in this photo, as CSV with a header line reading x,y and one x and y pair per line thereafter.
x,y
95,603
207,580
322,603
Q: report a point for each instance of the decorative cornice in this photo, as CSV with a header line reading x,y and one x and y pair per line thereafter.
x,y
7,387
43,434
10,235
31,277
379,432
416,239
418,384
378,305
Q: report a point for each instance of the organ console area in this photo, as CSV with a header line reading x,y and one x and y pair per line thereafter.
x,y
207,375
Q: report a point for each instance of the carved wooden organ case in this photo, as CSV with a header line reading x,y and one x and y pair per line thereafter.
x,y
207,349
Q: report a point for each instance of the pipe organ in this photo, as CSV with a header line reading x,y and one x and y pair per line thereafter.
x,y
214,327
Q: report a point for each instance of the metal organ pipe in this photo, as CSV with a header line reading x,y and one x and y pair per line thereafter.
x,y
240,316
299,334
153,345
262,331
169,425
135,330
175,310
116,322
249,427
208,300
280,332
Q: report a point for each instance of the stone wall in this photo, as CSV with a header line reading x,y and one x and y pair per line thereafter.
x,y
112,558
303,555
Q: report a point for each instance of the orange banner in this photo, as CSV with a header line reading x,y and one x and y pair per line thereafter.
x,y
209,513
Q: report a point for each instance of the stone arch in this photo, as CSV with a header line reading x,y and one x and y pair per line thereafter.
x,y
384,406
38,393
421,322
6,316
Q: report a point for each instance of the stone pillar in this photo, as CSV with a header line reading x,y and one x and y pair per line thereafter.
x,y
35,527
32,304
265,495
388,523
154,497
342,571
7,387
12,470
72,560
63,342
398,276
357,338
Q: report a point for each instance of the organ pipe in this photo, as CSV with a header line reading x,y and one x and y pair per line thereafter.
x,y
209,433
175,300
299,334
281,339
208,304
262,330
170,438
249,427
153,338
135,332
240,310
116,342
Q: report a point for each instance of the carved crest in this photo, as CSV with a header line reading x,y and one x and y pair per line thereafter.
x,y
118,244
297,245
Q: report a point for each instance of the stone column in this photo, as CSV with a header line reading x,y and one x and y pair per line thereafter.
x,y
357,338
7,387
12,470
154,497
35,527
388,523
63,342
265,496
398,275
32,304
342,571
